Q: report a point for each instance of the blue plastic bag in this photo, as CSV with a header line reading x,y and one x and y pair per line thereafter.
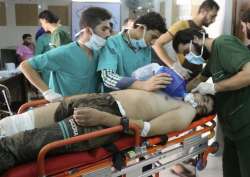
x,y
177,87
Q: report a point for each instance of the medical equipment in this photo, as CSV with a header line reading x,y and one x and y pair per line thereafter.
x,y
160,151
6,99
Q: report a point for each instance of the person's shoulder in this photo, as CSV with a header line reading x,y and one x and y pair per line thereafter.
x,y
226,38
180,24
114,40
115,37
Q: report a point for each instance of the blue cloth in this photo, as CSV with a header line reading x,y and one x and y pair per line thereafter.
x,y
119,57
177,87
72,71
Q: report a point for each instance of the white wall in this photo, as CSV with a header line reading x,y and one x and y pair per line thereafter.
x,y
223,22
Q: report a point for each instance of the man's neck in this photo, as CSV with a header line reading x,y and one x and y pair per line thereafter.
x,y
53,27
209,43
86,49
198,21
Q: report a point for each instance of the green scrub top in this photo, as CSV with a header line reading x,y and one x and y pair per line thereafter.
x,y
119,57
72,71
227,58
42,46
59,37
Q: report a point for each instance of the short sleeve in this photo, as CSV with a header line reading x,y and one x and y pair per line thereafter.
x,y
108,58
233,54
178,26
49,61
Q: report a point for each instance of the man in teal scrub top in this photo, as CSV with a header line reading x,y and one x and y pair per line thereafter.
x,y
130,50
72,66
42,46
228,63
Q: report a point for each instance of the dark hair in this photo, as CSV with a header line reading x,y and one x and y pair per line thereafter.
x,y
93,16
245,17
48,16
185,36
213,111
153,21
26,36
209,5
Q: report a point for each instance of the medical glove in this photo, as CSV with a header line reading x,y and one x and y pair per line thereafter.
x,y
205,88
179,69
52,96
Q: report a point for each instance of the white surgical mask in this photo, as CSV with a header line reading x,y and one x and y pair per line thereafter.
x,y
192,57
95,42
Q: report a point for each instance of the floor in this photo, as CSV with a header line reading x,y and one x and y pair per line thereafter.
x,y
213,169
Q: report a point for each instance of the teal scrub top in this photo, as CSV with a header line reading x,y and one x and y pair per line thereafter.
x,y
119,57
72,71
42,46
227,58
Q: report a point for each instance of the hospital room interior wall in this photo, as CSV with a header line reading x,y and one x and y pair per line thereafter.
x,y
11,35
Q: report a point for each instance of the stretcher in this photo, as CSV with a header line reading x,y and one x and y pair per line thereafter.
x,y
158,153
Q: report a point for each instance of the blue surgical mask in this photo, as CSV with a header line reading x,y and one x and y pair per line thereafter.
x,y
95,42
197,60
193,58
138,43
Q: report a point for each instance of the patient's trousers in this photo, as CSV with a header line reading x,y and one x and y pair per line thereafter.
x,y
25,146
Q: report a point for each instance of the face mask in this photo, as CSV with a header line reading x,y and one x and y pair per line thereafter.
x,y
138,43
189,98
197,60
193,58
95,42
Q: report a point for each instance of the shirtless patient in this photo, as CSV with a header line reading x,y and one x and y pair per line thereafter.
x,y
155,114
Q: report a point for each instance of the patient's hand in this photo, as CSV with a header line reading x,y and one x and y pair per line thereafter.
x,y
87,116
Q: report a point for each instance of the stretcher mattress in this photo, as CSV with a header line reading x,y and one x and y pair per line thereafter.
x,y
68,161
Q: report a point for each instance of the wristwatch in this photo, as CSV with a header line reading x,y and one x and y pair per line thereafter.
x,y
125,123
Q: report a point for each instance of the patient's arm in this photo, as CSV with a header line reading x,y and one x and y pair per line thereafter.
x,y
174,120
93,117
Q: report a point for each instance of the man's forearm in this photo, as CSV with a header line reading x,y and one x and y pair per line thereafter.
x,y
163,55
111,120
33,76
238,81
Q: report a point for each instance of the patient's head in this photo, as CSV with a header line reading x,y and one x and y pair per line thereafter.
x,y
204,104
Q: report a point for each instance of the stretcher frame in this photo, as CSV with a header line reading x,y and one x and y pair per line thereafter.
x,y
181,145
